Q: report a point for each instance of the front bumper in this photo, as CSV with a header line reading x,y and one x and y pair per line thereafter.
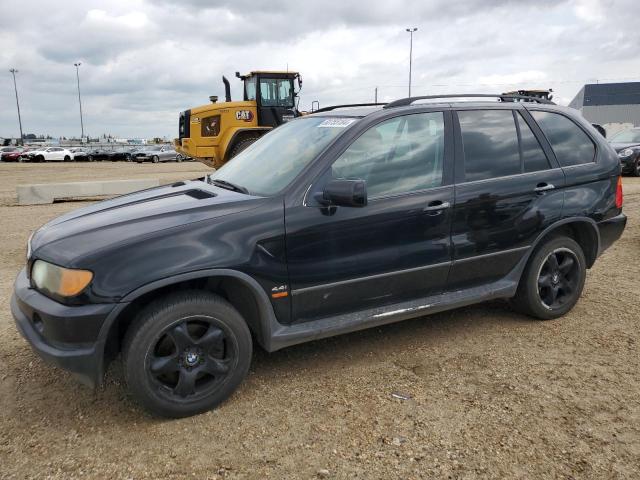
x,y
66,336
611,230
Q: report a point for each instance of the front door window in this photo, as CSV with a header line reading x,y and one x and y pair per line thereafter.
x,y
401,155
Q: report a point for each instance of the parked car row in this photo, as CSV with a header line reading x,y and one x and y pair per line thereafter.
x,y
146,153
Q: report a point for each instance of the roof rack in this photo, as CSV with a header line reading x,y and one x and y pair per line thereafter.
x,y
403,102
333,107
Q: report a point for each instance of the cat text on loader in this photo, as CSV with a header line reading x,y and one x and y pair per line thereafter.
x,y
216,132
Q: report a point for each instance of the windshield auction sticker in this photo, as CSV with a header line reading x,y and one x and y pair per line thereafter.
x,y
336,123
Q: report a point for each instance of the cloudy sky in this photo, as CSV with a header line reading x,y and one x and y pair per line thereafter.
x,y
145,60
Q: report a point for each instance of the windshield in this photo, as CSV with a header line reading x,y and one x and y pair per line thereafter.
x,y
270,164
627,136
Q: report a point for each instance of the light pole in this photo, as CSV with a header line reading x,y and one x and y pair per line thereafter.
x,y
79,101
410,30
13,72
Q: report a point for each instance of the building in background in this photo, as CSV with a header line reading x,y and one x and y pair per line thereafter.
x,y
615,106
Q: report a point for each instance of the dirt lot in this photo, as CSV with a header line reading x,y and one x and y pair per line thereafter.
x,y
493,394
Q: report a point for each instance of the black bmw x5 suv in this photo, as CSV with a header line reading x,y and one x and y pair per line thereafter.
x,y
338,221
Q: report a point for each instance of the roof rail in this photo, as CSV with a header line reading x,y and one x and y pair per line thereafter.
x,y
403,102
333,107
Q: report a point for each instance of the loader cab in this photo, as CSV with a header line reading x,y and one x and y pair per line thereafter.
x,y
274,94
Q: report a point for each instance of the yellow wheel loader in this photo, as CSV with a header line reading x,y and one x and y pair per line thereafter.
x,y
216,132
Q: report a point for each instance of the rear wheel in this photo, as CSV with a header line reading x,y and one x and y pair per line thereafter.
x,y
155,159
186,354
67,158
553,279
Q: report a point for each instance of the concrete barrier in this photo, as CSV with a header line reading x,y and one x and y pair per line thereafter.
x,y
48,192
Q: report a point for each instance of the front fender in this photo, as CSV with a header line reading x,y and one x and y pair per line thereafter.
x,y
262,328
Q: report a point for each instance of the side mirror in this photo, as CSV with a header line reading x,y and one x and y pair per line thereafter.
x,y
343,193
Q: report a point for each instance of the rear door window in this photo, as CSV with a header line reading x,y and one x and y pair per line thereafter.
x,y
570,143
490,142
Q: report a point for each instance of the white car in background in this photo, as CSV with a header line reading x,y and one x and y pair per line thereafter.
x,y
50,154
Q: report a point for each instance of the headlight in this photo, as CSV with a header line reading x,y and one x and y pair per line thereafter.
x,y
627,152
64,282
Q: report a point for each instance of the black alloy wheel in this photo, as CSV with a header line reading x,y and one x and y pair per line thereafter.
x,y
553,279
186,353
558,278
191,358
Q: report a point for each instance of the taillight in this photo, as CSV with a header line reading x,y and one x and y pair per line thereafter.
x,y
619,198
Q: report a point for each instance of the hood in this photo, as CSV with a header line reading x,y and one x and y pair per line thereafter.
x,y
621,146
132,218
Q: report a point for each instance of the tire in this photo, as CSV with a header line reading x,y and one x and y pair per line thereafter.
x,y
241,145
178,158
40,158
540,280
635,171
188,378
155,159
67,158
128,158
90,157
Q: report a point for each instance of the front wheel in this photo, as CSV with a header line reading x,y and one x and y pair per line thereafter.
x,y
635,170
155,159
553,279
242,145
186,354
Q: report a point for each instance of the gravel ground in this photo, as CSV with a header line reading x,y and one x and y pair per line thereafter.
x,y
489,393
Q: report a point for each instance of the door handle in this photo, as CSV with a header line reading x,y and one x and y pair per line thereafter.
x,y
543,187
436,206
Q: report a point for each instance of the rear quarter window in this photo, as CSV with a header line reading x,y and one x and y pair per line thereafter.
x,y
570,143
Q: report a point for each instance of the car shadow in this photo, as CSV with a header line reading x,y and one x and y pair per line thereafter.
x,y
55,394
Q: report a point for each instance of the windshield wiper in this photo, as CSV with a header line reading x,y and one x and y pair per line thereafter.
x,y
228,185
